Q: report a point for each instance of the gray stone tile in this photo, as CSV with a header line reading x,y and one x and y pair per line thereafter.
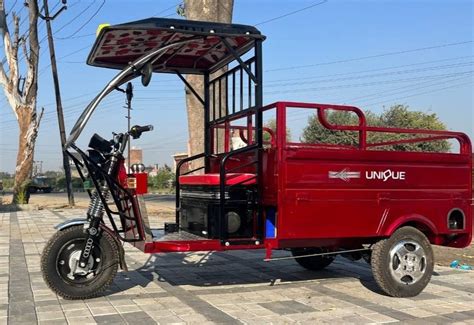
x,y
209,288
138,317
425,296
459,316
110,319
287,307
437,319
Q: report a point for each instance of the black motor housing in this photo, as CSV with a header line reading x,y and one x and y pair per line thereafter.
x,y
200,211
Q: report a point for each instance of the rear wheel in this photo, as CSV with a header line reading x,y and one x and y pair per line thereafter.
x,y
313,263
402,264
59,264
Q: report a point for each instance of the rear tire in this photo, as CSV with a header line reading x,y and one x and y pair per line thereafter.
x,y
402,265
58,255
313,263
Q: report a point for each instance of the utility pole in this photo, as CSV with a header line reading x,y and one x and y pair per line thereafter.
x,y
129,93
37,167
67,168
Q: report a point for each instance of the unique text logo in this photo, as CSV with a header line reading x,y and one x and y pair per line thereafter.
x,y
346,175
386,175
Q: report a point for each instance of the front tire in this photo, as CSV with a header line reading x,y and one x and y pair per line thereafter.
x,y
313,263
60,256
402,265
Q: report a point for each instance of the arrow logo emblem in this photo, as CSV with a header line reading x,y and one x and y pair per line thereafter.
x,y
344,174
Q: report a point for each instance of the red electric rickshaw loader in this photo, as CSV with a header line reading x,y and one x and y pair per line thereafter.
x,y
317,200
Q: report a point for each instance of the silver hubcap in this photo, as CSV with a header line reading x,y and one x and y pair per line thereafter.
x,y
74,265
407,262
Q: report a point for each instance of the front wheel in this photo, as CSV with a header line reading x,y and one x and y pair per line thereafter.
x,y
402,264
61,272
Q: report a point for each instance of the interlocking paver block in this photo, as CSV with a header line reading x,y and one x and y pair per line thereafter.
x,y
207,288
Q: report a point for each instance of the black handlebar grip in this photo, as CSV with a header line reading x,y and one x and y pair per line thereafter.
x,y
137,130
146,128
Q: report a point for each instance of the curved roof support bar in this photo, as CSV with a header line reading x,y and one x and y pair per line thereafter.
x,y
122,77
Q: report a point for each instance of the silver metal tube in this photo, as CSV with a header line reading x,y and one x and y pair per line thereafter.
x,y
123,76
318,254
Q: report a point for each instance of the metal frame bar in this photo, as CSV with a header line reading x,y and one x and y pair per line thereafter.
x,y
363,129
207,129
237,57
259,134
113,186
177,175
183,79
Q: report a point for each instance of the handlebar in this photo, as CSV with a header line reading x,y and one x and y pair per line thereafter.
x,y
137,130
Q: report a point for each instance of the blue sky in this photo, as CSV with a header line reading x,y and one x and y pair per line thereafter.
x,y
339,52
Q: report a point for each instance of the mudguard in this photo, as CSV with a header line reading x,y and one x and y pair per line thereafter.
x,y
70,223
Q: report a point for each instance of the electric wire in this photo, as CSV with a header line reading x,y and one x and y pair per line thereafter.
x,y
291,13
427,48
85,23
165,10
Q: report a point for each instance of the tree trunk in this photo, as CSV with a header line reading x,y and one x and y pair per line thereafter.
x,y
28,131
22,101
207,10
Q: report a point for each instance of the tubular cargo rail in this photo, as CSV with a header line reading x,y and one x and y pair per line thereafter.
x,y
253,187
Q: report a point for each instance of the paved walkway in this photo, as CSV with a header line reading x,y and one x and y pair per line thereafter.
x,y
205,288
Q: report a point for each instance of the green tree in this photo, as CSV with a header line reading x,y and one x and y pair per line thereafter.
x,y
271,124
164,178
397,116
60,183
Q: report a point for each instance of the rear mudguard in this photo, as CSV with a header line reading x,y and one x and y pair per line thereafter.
x,y
82,221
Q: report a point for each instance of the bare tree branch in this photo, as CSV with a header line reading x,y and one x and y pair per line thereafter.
x,y
13,55
10,81
6,42
4,26
3,76
31,87
25,50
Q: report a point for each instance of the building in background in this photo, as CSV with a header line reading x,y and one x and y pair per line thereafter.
x,y
136,156
177,158
74,171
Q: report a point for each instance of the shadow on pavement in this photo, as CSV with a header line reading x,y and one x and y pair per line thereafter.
x,y
230,269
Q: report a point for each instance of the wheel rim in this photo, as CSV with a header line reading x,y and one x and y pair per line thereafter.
x,y
407,262
67,260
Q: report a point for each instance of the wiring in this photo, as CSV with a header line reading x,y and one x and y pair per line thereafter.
x,y
165,10
291,13
372,56
85,23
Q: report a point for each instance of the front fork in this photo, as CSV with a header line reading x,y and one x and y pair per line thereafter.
x,y
95,214
93,239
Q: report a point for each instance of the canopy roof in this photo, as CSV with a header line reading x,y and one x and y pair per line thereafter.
x,y
118,45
